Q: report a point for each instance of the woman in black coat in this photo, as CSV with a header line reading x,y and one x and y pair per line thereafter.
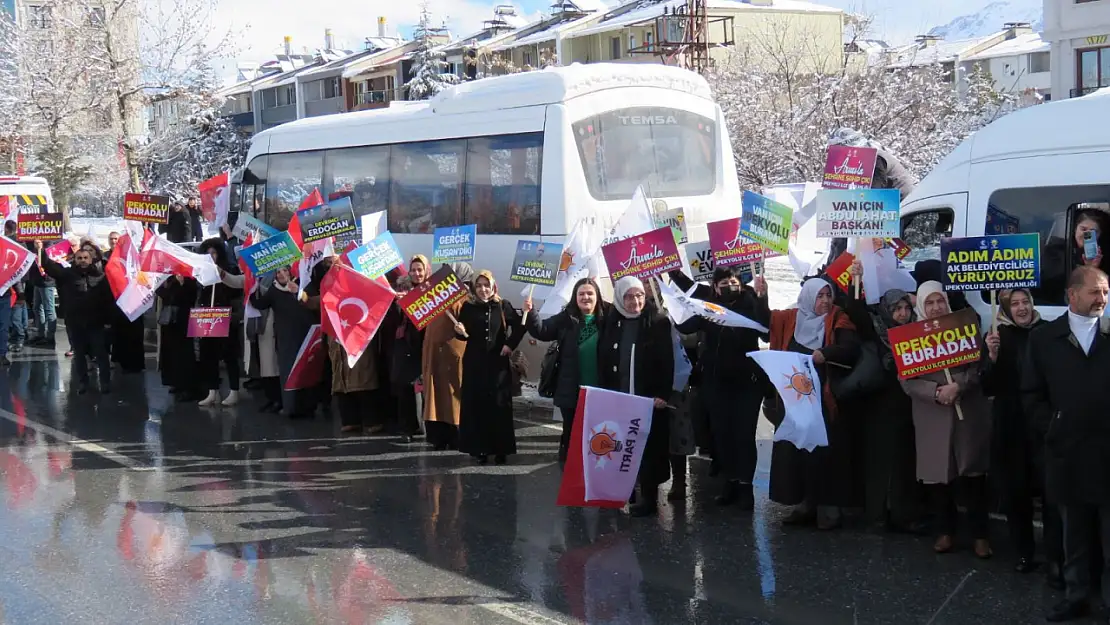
x,y
404,364
1015,451
177,356
576,328
637,326
215,350
292,322
491,328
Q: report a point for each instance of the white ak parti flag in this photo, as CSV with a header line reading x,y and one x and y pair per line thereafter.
x,y
683,306
615,428
794,377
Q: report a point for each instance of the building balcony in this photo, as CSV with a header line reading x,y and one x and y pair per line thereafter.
x,y
279,115
242,120
1080,92
375,99
328,106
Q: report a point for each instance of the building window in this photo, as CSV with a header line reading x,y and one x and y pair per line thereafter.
x,y
503,183
1093,70
1039,62
287,95
269,99
526,58
649,38
41,17
615,48
331,88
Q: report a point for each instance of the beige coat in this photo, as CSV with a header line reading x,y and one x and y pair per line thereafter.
x,y
441,367
364,377
946,446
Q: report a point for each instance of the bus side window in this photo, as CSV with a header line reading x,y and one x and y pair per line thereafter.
x,y
1058,214
290,179
362,172
503,183
426,181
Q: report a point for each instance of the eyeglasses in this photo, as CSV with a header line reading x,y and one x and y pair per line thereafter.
x,y
635,296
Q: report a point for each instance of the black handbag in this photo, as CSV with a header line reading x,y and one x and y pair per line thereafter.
x,y
549,372
167,315
867,376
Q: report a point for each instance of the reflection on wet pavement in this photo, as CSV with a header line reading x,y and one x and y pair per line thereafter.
x,y
129,509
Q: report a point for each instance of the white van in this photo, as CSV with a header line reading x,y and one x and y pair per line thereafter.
x,y
1035,170
27,194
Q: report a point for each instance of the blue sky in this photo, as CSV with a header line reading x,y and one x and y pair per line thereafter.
x,y
261,24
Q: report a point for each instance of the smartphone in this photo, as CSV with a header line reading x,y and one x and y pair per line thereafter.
x,y
1090,244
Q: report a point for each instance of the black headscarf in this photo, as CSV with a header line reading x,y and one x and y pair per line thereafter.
x,y
884,320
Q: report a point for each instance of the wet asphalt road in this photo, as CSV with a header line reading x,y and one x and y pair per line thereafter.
x,y
130,509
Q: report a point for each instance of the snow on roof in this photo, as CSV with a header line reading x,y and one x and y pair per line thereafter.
x,y
559,84
918,54
377,59
622,17
550,32
338,63
1028,43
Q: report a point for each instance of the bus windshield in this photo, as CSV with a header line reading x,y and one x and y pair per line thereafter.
x,y
672,152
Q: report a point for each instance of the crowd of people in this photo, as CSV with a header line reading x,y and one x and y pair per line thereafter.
x,y
901,454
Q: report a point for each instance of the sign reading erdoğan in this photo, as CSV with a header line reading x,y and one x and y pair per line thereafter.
x,y
151,209
849,168
433,298
936,344
209,322
643,256
39,227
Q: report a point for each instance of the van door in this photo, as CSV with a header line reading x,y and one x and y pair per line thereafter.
x,y
930,220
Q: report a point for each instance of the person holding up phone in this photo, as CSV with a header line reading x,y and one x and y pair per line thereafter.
x,y
1088,228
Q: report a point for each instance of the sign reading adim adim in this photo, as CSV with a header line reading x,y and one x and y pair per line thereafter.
x,y
992,263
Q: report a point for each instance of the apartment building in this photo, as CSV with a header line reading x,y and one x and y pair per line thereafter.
x,y
1020,66
1078,32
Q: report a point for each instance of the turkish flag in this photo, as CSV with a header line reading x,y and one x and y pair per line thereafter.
x,y
15,260
116,268
161,256
308,368
215,198
355,306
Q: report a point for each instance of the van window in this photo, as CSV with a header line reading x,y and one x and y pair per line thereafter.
x,y
503,183
362,172
1056,214
672,152
426,182
291,177
923,232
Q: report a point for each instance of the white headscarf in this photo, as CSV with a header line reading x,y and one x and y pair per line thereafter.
x,y
809,329
923,292
624,285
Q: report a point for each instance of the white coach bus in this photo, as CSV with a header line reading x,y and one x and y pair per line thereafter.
x,y
521,156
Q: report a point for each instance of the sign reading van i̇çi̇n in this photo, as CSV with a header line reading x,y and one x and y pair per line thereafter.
x,y
645,255
936,344
858,214
39,227
991,263
433,298
151,209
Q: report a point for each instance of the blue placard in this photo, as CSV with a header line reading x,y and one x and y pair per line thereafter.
x,y
858,213
991,263
247,224
270,254
454,244
377,257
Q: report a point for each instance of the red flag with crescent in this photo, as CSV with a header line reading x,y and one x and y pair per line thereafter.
x,y
308,367
16,261
355,305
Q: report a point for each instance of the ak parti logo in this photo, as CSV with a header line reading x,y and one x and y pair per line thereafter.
x,y
800,383
604,442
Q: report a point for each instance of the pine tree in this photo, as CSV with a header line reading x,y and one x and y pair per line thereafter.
x,y
429,66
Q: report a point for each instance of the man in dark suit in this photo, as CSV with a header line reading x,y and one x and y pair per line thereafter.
x,y
1066,384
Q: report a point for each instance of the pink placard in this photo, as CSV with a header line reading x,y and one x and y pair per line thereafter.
x,y
644,255
729,248
208,323
849,168
59,251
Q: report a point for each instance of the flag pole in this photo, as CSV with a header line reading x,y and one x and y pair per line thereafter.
x,y
959,410
455,321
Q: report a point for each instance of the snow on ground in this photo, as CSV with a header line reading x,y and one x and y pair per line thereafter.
x,y
783,285
96,228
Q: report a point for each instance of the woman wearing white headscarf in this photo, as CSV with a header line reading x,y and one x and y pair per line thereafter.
x,y
637,322
951,450
819,482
